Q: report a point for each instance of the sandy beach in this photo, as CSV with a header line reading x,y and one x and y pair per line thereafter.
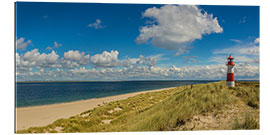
x,y
43,115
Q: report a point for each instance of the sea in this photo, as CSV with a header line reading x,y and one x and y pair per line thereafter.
x,y
45,93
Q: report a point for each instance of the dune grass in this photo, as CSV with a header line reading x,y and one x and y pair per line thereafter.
x,y
184,104
249,122
248,92
161,111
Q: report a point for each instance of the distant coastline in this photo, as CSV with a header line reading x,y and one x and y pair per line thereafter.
x,y
111,81
116,81
44,93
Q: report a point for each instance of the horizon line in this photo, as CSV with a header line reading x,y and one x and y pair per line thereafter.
x,y
130,80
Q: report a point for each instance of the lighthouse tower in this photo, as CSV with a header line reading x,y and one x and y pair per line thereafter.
x,y
230,72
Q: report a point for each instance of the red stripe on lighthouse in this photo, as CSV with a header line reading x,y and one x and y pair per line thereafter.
x,y
230,76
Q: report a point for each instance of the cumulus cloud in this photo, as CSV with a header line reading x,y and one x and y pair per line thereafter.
x,y
22,44
96,24
22,66
128,69
47,63
25,63
110,59
129,62
175,27
33,57
218,71
34,65
257,41
74,59
106,59
244,70
149,61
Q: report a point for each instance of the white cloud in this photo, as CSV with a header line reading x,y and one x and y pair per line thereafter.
x,y
25,63
96,24
149,61
243,69
249,49
190,59
43,60
55,45
129,62
141,68
18,58
237,59
33,59
73,55
22,44
257,41
49,48
218,71
22,66
106,59
243,53
236,40
177,26
74,59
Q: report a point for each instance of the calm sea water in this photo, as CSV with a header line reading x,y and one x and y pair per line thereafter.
x,y
32,94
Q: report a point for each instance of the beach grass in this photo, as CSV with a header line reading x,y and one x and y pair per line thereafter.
x,y
193,107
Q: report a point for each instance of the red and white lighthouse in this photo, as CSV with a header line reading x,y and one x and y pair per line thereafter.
x,y
230,72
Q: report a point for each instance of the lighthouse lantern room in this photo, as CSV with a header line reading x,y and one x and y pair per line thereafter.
x,y
230,72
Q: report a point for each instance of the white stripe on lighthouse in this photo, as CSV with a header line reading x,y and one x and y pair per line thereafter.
x,y
230,69
230,83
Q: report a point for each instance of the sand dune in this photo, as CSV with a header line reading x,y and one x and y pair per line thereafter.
x,y
43,115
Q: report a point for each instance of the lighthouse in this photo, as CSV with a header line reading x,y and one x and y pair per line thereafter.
x,y
230,72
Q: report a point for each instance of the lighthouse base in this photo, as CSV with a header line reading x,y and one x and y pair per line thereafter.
x,y
230,83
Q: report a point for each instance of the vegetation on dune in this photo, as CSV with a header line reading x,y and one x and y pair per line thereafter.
x,y
249,122
200,107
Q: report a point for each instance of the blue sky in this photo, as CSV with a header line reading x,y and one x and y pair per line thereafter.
x,y
87,41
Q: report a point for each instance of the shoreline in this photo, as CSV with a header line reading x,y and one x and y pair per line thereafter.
x,y
146,90
42,115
